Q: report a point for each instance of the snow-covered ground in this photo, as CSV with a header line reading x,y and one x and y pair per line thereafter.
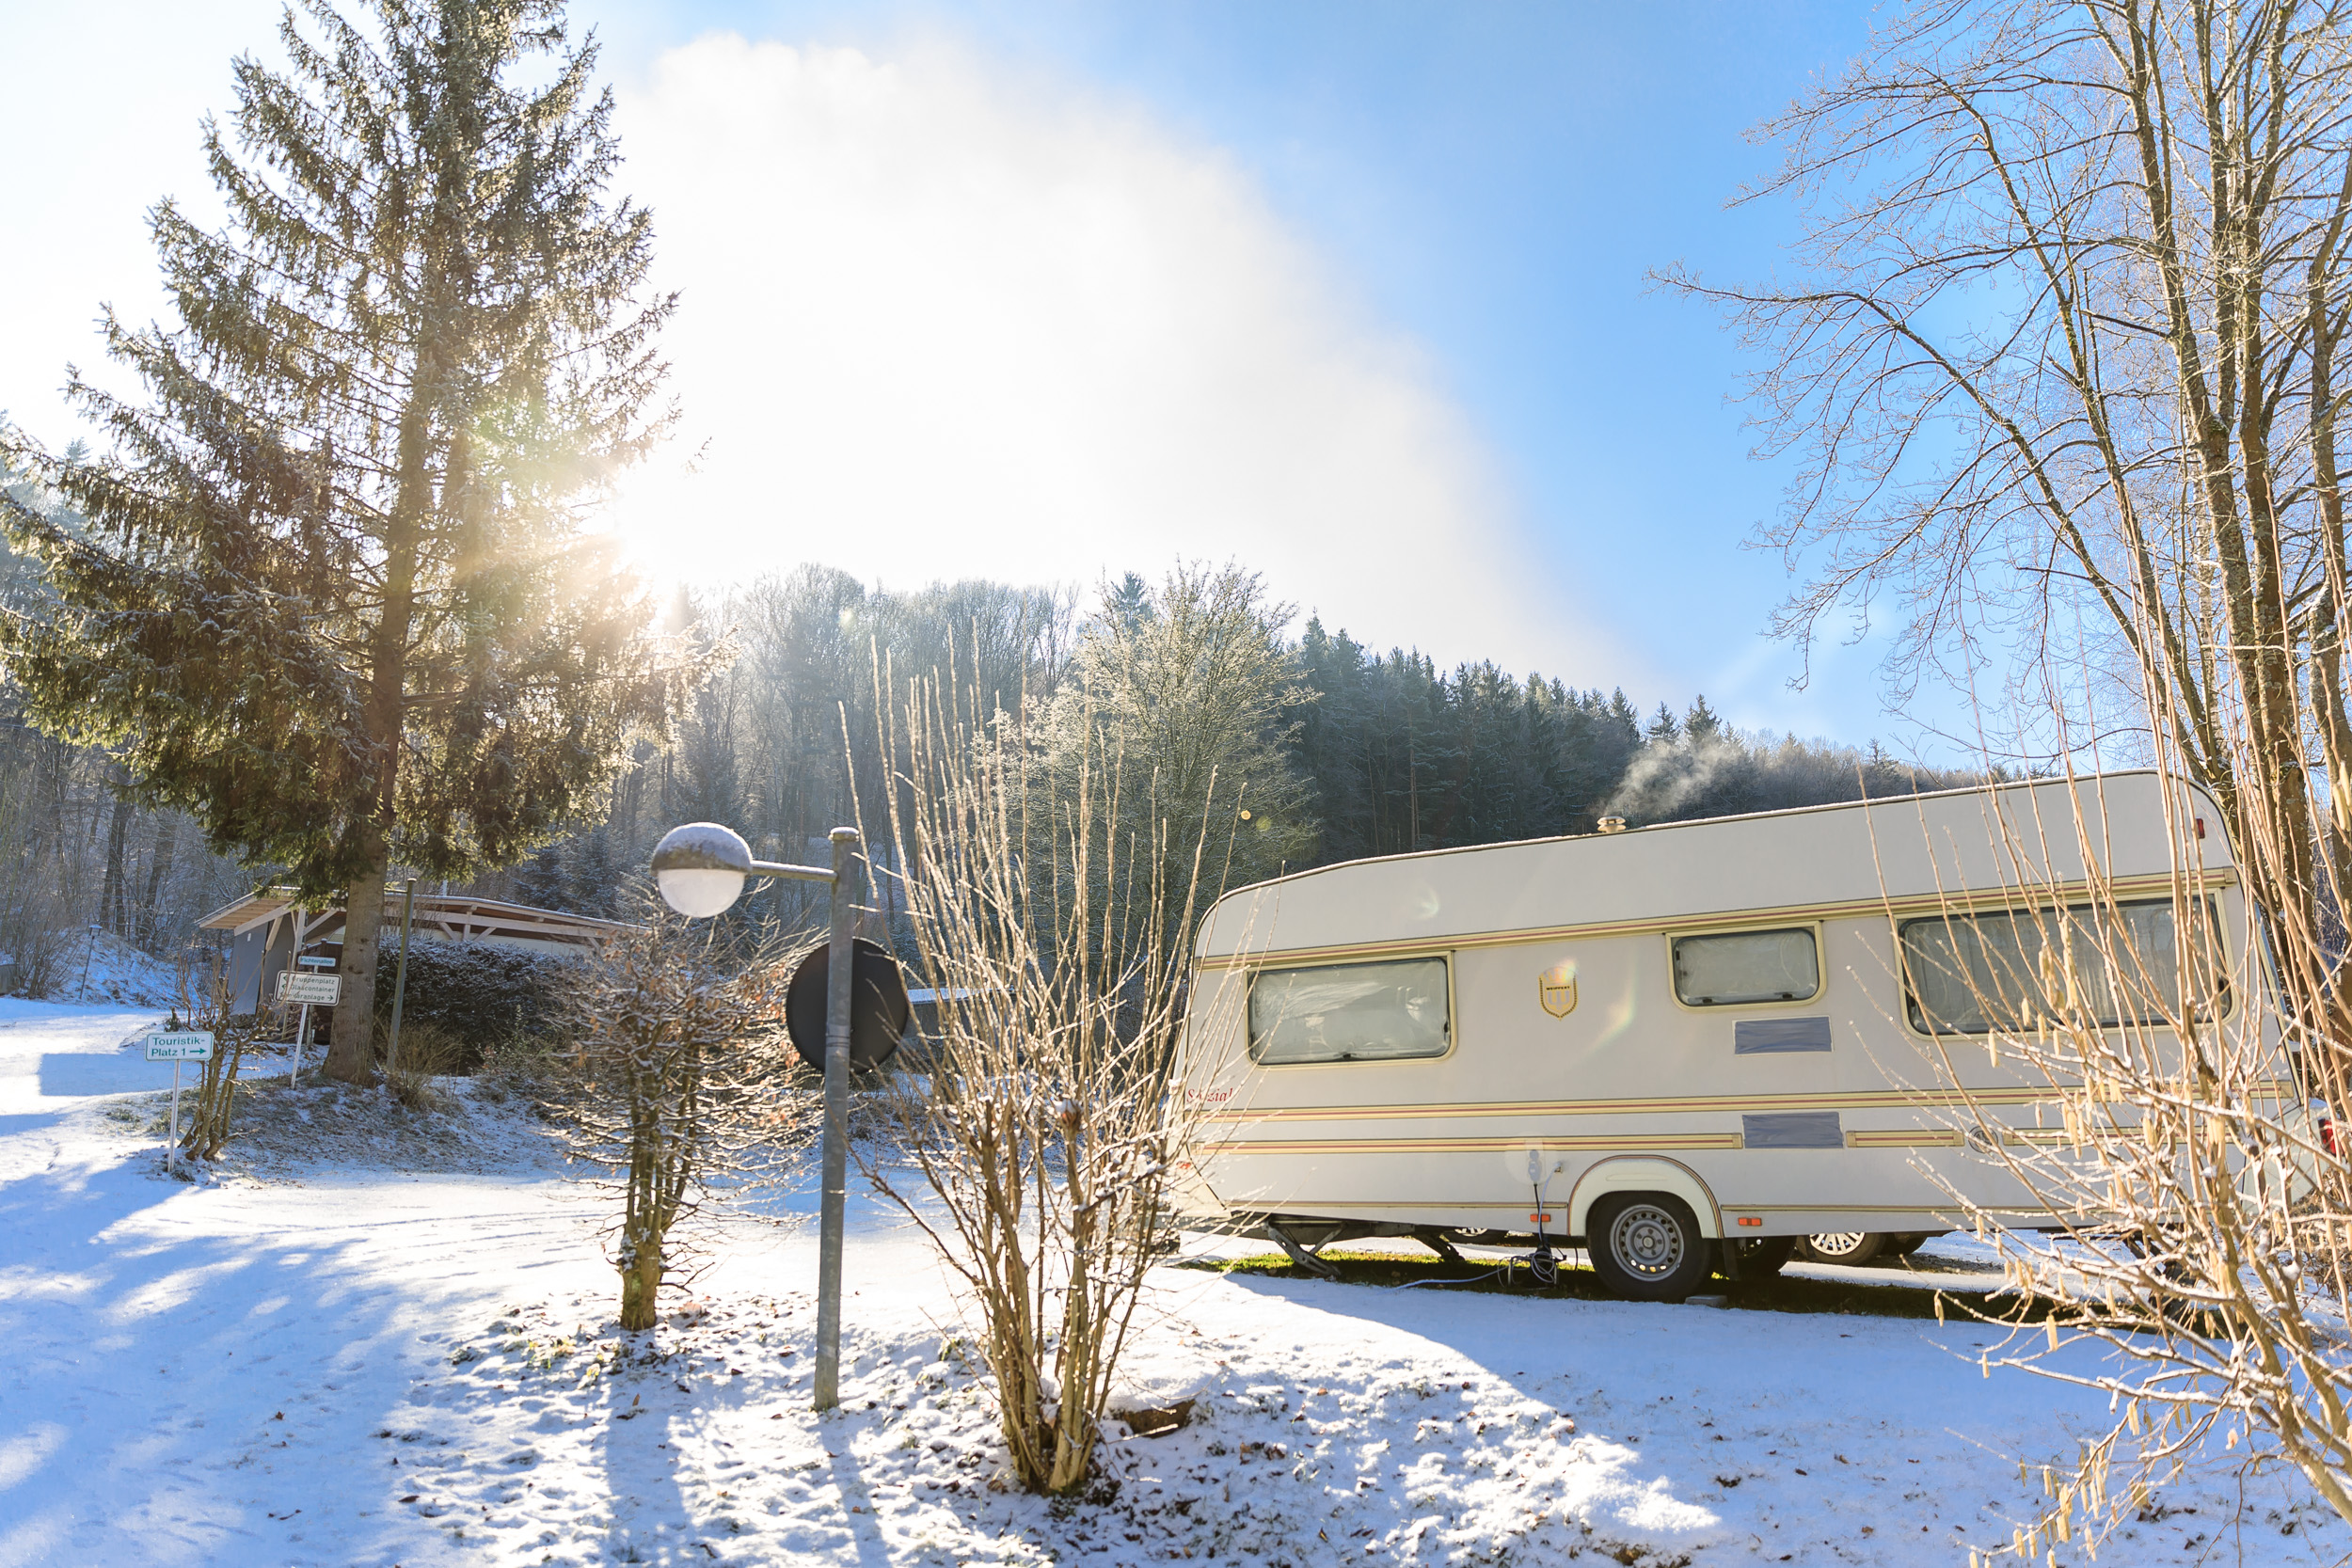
x,y
373,1341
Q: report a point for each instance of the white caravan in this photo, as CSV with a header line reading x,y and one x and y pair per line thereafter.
x,y
1644,1042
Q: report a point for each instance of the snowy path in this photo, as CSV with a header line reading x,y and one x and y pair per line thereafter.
x,y
53,1059
377,1368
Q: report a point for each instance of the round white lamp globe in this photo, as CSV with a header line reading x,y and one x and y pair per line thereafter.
x,y
700,868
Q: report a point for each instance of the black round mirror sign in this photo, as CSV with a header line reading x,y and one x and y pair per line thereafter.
x,y
878,1009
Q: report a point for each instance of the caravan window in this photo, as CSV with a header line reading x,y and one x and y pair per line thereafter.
x,y
1747,966
1970,975
1349,1013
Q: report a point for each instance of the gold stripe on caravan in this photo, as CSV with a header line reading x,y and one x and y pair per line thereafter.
x,y
1923,1137
1860,1099
1856,1100
2122,887
1470,1146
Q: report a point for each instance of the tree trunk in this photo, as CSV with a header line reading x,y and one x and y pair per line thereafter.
x,y
113,900
350,1056
150,922
640,1282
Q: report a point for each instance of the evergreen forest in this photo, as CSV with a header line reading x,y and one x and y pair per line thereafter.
x,y
1382,753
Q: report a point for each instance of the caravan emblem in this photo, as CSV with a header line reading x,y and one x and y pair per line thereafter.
x,y
1556,989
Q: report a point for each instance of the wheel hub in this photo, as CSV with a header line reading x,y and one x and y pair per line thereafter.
x,y
1647,1240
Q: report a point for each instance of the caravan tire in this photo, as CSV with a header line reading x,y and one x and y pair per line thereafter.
x,y
1853,1249
1647,1246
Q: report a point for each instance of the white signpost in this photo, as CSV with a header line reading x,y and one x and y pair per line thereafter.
x,y
323,990
185,1045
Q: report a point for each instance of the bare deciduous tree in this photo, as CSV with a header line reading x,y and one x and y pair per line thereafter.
x,y
2065,355
1189,695
2068,357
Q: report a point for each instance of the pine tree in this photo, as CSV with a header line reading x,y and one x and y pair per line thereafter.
x,y
1336,738
1127,604
334,599
1491,796
593,878
1700,723
541,881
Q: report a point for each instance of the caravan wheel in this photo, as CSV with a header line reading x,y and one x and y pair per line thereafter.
x,y
1647,1247
1853,1249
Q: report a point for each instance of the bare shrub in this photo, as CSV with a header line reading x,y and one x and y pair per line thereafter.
x,y
678,1085
233,1034
537,1067
2202,1209
1035,1148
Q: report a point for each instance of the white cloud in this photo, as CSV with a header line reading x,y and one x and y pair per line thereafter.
x,y
936,324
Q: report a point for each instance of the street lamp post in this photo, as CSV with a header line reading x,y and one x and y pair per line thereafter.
x,y
700,869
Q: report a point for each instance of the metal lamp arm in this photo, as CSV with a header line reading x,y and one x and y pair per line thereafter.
x,y
792,873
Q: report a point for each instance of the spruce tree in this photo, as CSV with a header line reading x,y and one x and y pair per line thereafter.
x,y
593,883
1700,723
333,597
542,883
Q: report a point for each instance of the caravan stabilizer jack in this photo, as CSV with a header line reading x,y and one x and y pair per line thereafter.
x,y
1435,1241
1307,1261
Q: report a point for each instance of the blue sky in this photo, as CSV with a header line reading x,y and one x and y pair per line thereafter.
x,y
1438,217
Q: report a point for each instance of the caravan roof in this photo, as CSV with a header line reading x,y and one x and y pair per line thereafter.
x,y
1815,861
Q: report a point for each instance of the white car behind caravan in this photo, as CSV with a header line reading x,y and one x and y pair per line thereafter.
x,y
1647,1042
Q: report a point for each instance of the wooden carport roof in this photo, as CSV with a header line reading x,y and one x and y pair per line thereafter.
x,y
456,916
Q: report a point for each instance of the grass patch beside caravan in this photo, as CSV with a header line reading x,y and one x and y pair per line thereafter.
x,y
1901,1293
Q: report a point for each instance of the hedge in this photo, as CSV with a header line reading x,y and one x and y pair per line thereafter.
x,y
479,993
